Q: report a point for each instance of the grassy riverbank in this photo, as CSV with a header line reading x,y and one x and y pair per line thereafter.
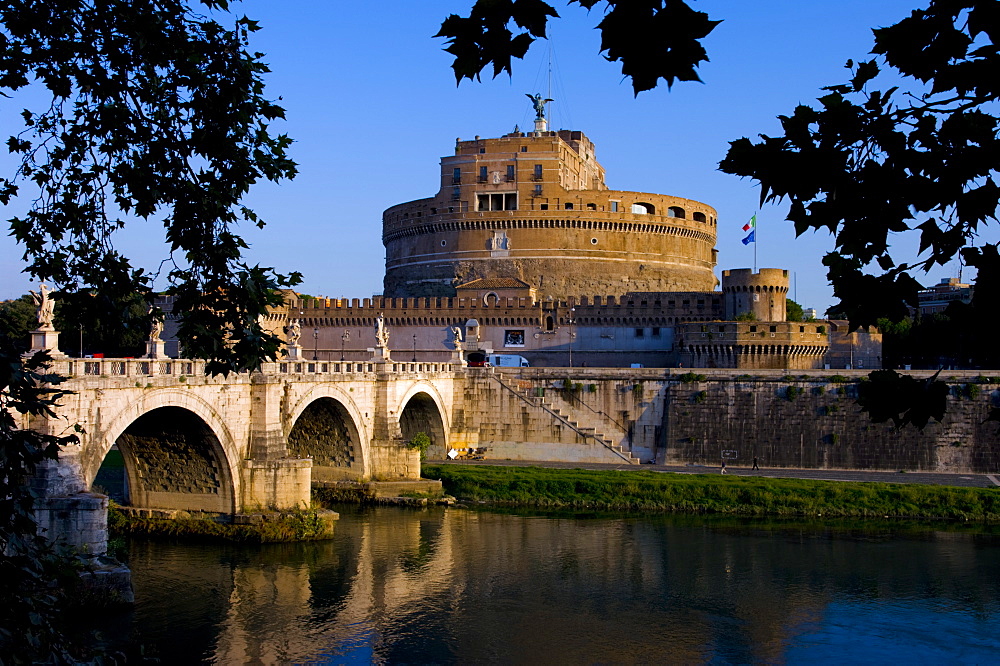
x,y
703,493
290,526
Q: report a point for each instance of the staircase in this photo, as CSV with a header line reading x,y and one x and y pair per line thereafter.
x,y
590,428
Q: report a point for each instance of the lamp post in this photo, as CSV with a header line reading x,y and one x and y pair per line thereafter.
x,y
315,343
343,341
572,334
414,347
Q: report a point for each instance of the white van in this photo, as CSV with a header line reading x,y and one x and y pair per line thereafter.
x,y
507,361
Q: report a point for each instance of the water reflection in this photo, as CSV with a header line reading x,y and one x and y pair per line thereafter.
x,y
455,586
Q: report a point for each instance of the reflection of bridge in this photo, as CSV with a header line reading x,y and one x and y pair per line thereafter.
x,y
255,441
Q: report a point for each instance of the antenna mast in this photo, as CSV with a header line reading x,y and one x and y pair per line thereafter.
x,y
549,93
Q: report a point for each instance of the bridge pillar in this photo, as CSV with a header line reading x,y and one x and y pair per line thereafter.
x,y
267,435
277,484
65,512
389,453
270,479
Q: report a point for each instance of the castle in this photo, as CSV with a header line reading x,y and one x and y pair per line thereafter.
x,y
526,251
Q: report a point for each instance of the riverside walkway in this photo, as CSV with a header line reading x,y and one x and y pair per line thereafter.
x,y
929,478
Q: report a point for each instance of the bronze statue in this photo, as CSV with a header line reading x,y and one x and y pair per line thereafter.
x,y
539,104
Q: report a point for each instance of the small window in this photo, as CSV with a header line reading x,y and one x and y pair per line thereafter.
x,y
538,190
482,151
698,217
614,206
774,329
593,241
482,174
591,206
456,175
753,329
543,207
640,332
643,208
569,206
656,331
549,324
444,243
456,194
802,329
676,211
537,174
510,172
722,329
524,149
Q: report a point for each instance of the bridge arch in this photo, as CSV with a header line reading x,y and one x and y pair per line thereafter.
x,y
421,409
178,453
325,424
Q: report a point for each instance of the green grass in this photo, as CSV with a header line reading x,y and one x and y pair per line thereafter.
x,y
280,528
703,493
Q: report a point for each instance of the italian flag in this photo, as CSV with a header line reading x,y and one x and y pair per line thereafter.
x,y
752,224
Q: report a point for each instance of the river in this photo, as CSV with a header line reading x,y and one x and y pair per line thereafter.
x,y
456,586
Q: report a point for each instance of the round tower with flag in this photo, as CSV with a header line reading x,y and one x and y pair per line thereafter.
x,y
761,294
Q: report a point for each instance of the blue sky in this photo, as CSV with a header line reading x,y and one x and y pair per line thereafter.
x,y
372,105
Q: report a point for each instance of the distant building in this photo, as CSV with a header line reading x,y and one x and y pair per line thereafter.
x,y
944,293
810,313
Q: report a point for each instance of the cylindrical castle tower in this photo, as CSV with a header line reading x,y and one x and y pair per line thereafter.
x,y
761,294
534,206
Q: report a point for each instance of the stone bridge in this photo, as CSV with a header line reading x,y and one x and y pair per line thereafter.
x,y
238,444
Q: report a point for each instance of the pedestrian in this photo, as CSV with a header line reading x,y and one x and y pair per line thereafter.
x,y
755,463
723,470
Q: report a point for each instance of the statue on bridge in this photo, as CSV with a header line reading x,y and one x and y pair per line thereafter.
x,y
294,333
456,332
381,332
46,306
155,327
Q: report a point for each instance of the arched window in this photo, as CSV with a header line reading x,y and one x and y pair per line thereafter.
x,y
698,217
676,211
642,208
549,324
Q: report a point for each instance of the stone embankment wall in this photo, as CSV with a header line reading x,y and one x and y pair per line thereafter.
x,y
513,421
816,423
809,419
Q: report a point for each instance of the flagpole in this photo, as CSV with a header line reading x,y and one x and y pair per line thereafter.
x,y
755,244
